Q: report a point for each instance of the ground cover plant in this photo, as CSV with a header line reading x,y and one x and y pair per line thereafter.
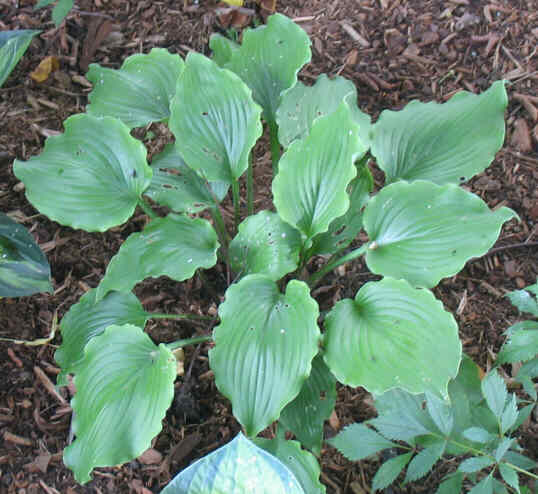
x,y
269,356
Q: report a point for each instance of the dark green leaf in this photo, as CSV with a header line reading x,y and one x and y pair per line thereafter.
x,y
388,472
509,475
520,461
223,48
485,486
60,11
357,441
451,485
424,461
13,44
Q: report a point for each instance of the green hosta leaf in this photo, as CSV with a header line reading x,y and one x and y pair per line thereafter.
x,y
140,91
357,441
494,390
424,461
509,475
440,413
423,232
451,485
305,415
478,435
524,301
264,346
522,343
179,187
442,143
388,472
485,486
13,44
269,59
223,48
123,375
301,463
24,269
265,245
301,105
313,175
396,336
88,318
175,246
90,177
214,119
343,230
60,11
239,467
475,464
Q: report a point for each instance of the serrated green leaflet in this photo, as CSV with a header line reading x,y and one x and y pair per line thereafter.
x,y
174,246
301,105
179,187
443,143
424,461
214,119
495,393
388,472
124,374
509,476
524,301
310,188
357,441
239,467
222,48
509,415
265,245
24,269
522,343
485,486
475,464
13,44
269,59
140,91
451,485
478,435
305,415
264,347
89,318
396,336
440,413
423,232
301,463
97,169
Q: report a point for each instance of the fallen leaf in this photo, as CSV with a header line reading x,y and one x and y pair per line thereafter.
x,y
45,68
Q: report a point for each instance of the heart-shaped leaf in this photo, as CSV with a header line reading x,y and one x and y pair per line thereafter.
x,y
269,59
423,232
264,347
396,336
265,245
88,318
313,174
175,246
140,91
444,143
239,467
13,44
90,177
214,119
124,374
24,269
301,105
179,187
223,48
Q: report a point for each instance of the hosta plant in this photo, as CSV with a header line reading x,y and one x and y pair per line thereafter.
x,y
273,356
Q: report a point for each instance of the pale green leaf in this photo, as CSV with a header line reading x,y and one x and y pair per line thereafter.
x,y
396,336
90,177
524,301
478,435
43,3
123,375
266,245
504,445
509,415
443,143
388,472
214,119
485,486
264,347
451,484
423,232
522,343
223,48
399,426
520,461
13,44
440,413
313,174
174,246
524,413
140,91
239,467
475,464
424,461
357,441
509,475
60,11
495,393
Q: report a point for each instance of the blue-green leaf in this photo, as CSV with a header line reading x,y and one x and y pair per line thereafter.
x,y
388,472
509,475
478,435
451,484
475,464
357,441
223,48
495,393
485,486
524,301
440,413
424,461
522,343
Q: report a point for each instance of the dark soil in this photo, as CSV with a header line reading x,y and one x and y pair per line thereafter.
x,y
394,51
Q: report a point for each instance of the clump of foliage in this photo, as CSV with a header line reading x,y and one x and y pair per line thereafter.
x,y
271,354
59,11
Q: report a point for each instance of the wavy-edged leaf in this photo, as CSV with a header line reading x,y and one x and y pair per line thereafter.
x,y
305,415
388,472
357,441
214,119
24,268
90,177
264,347
223,48
443,143
522,344
396,336
176,185
140,91
174,246
13,44
269,59
124,374
266,245
524,301
239,467
313,174
88,318
424,461
423,232
302,464
301,105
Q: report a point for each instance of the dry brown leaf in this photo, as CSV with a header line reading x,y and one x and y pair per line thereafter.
x,y
521,137
46,67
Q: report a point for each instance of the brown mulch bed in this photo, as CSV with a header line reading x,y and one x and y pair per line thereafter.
x,y
394,51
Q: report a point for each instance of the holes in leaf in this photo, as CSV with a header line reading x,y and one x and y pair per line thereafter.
x,y
322,395
204,113
462,179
